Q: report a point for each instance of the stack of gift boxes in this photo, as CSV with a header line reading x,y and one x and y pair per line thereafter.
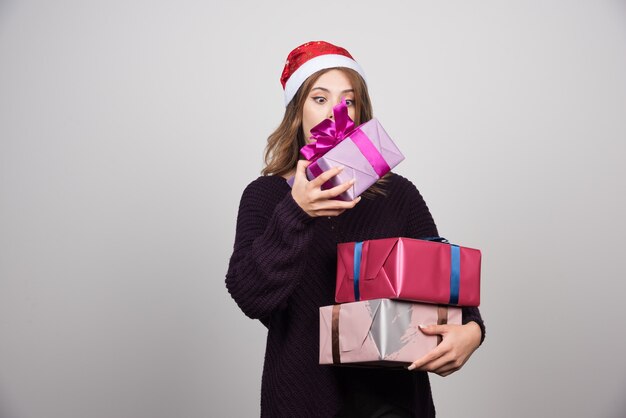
x,y
385,288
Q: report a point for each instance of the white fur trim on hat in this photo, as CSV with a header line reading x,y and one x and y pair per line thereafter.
x,y
314,65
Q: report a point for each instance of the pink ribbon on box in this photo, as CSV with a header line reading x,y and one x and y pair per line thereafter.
x,y
369,151
328,133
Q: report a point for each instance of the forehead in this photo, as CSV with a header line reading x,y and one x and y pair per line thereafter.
x,y
333,80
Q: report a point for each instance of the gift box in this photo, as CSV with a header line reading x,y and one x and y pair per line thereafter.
x,y
409,269
380,332
367,153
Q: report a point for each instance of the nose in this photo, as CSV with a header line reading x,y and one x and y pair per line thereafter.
x,y
334,103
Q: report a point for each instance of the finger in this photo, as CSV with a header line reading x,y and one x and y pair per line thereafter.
x,y
353,203
330,212
301,170
442,363
433,355
334,204
337,190
446,370
434,329
325,176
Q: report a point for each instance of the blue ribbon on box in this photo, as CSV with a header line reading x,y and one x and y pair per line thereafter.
x,y
455,273
455,269
357,268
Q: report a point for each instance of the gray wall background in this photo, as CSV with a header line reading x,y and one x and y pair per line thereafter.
x,y
128,130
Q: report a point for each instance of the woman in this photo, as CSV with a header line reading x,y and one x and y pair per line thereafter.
x,y
283,265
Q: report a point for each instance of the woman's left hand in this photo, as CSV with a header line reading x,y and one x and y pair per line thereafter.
x,y
458,344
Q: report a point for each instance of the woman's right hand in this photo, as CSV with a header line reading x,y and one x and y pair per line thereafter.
x,y
315,201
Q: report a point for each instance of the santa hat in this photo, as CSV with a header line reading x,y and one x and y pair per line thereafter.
x,y
309,58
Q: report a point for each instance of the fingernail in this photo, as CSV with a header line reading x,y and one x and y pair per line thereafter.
x,y
352,181
341,167
411,367
358,199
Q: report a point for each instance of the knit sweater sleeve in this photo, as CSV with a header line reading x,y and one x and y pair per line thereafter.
x,y
271,237
420,224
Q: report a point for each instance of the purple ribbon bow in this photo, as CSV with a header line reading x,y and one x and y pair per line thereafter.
x,y
329,133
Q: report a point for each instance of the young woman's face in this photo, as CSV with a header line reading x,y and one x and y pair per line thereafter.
x,y
328,91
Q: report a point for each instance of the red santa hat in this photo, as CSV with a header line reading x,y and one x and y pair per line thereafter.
x,y
309,58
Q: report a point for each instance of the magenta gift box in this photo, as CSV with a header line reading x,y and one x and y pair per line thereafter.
x,y
354,153
380,332
409,269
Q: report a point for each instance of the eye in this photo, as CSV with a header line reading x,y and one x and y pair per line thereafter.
x,y
319,99
349,102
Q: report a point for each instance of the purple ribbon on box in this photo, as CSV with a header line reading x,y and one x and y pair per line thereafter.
x,y
328,133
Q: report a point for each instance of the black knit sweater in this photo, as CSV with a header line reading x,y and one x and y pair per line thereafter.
x,y
283,269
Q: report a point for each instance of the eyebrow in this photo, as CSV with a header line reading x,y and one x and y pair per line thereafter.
x,y
328,91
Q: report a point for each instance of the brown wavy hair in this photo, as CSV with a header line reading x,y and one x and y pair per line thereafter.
x,y
283,145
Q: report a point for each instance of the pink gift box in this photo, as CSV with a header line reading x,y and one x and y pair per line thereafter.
x,y
380,332
367,153
409,269
354,153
